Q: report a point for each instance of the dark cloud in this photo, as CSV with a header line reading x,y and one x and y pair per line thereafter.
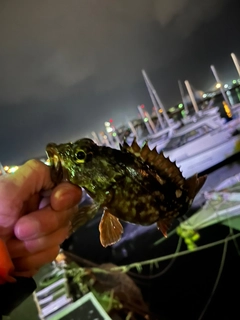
x,y
66,66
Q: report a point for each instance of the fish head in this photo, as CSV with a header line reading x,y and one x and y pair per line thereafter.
x,y
83,163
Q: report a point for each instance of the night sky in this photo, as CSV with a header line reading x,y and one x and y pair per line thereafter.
x,y
67,66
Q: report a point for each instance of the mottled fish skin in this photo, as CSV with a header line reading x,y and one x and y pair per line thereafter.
x,y
135,185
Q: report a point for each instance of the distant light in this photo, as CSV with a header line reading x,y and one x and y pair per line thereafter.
x,y
111,120
145,119
227,109
204,95
114,134
142,106
180,105
6,168
160,110
47,162
172,109
109,129
234,81
12,169
107,124
218,85
226,86
105,137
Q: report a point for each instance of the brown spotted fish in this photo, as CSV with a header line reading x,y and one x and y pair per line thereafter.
x,y
133,184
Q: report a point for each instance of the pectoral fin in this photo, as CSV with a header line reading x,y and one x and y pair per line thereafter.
x,y
110,229
83,215
164,225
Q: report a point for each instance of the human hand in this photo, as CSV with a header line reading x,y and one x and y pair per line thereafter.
x,y
34,219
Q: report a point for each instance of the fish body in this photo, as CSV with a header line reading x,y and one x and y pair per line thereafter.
x,y
133,184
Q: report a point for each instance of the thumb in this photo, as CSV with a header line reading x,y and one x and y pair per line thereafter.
x,y
17,188
31,178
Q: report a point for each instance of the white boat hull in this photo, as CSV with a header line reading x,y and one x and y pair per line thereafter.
x,y
210,157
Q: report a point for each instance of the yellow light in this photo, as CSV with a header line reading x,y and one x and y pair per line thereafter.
x,y
6,168
12,169
218,85
160,111
227,109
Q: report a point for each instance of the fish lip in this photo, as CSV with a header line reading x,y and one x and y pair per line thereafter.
x,y
57,169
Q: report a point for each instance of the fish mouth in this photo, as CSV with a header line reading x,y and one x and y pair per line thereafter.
x,y
58,172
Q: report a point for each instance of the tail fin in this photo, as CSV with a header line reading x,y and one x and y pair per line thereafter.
x,y
194,184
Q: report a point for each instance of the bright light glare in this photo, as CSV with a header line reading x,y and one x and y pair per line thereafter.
x,y
47,162
107,124
145,119
109,129
12,169
218,85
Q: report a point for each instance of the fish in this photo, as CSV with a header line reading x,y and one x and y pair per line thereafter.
x,y
133,184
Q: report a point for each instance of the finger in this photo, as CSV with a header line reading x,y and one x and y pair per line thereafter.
x,y
31,178
18,248
42,223
65,196
32,204
35,261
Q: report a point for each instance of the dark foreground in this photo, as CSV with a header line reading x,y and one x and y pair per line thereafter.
x,y
184,285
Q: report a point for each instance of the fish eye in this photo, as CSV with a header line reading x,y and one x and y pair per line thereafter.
x,y
80,156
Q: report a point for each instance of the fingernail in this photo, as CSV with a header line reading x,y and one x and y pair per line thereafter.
x,y
26,229
44,202
68,198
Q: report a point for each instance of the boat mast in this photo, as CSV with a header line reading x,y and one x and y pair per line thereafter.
x,y
214,71
183,98
150,131
157,103
95,137
151,122
132,128
191,95
236,63
104,139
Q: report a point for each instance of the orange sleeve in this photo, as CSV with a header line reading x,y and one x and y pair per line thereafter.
x,y
6,265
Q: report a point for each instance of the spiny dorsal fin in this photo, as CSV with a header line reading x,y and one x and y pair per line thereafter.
x,y
162,164
157,160
134,148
